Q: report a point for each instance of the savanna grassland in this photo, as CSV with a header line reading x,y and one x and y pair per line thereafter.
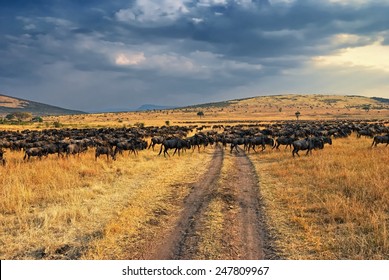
x,y
333,204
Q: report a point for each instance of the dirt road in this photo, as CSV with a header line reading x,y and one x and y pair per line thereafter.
x,y
243,233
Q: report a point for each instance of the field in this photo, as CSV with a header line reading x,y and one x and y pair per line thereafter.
x,y
203,204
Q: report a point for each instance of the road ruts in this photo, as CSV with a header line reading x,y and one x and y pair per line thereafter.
x,y
245,235
174,244
254,239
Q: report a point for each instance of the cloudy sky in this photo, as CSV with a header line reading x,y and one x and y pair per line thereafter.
x,y
106,55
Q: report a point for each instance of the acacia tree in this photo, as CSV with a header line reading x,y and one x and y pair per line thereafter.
x,y
200,114
297,114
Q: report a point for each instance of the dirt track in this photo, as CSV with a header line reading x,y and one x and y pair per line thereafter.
x,y
244,229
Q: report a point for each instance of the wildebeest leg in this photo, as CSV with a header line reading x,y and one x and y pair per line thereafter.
x,y
175,151
232,147
165,152
160,151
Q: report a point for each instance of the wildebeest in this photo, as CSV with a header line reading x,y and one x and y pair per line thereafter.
x,y
260,140
34,152
132,145
366,133
380,140
284,140
105,150
156,140
73,149
2,159
307,144
238,141
175,143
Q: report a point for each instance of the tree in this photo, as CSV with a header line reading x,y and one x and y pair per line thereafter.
x,y
37,119
167,123
366,107
200,114
297,114
10,117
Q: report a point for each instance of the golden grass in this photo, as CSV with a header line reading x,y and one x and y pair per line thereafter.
x,y
331,205
213,236
53,205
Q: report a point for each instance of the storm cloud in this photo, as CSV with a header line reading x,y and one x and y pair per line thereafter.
x,y
95,55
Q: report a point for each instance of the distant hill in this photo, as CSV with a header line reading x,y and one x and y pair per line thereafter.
x,y
147,107
9,104
300,100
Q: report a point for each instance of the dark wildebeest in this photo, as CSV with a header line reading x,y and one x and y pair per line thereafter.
x,y
132,145
2,159
52,149
73,149
260,140
365,132
380,140
284,140
307,144
238,141
156,140
326,140
105,150
175,143
34,152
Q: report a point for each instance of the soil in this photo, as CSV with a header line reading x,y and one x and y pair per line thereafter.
x,y
245,235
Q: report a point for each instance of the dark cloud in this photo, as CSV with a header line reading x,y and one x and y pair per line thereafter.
x,y
90,54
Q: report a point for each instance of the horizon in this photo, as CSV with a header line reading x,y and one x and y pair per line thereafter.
x,y
98,55
159,107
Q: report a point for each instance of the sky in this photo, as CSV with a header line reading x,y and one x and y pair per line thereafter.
x,y
117,55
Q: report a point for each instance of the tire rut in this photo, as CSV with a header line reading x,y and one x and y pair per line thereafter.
x,y
245,234
255,240
175,244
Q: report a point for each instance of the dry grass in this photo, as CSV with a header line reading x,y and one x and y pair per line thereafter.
x,y
54,208
217,231
331,205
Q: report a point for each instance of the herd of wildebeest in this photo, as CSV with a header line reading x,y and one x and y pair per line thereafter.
x,y
301,135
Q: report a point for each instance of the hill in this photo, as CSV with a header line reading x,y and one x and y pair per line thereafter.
x,y
299,100
246,110
147,107
9,104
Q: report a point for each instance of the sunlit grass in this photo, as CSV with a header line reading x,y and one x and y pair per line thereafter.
x,y
331,205
50,203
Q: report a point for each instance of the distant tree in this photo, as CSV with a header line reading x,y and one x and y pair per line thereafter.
x,y
297,114
366,107
167,123
23,115
280,109
37,119
10,117
57,124
200,114
140,124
